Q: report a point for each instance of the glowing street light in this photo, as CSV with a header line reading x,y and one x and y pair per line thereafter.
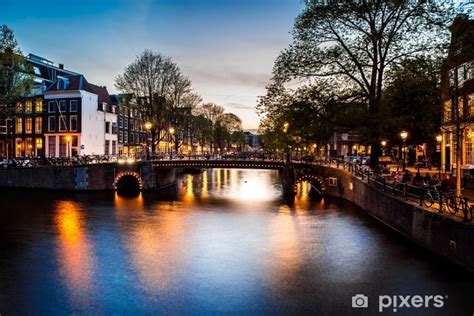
x,y
404,136
68,139
148,127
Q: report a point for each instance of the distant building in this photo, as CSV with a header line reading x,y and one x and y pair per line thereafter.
x,y
458,92
63,115
132,135
252,140
80,119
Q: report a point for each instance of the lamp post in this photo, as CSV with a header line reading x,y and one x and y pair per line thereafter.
x,y
148,126
68,139
288,147
171,130
439,138
383,143
404,136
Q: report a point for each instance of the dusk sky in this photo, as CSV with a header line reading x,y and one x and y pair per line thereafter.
x,y
226,47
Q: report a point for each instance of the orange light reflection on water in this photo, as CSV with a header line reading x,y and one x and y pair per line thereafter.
x,y
74,251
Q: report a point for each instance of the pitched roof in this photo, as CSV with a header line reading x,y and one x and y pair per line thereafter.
x,y
78,82
102,93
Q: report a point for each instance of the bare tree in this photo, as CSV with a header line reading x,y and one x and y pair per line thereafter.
x,y
149,80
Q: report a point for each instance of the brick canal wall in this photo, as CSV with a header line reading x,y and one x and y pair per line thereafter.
x,y
89,177
440,233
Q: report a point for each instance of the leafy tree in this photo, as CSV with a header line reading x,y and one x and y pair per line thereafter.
x,y
353,43
15,74
412,101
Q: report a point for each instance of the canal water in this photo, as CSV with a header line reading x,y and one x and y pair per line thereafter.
x,y
220,241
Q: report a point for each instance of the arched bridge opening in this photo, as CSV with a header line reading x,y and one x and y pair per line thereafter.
x,y
128,183
316,185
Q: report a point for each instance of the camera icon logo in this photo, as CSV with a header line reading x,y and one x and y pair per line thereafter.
x,y
360,301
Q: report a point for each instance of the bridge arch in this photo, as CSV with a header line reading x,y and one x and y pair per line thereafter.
x,y
128,183
317,183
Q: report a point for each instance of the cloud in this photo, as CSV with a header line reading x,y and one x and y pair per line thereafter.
x,y
239,106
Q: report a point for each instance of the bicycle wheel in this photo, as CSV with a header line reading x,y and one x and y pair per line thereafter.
x,y
452,204
428,199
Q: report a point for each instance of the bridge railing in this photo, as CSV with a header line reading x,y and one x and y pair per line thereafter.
x,y
27,162
428,196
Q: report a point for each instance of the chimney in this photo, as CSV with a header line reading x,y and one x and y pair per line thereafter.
x,y
61,66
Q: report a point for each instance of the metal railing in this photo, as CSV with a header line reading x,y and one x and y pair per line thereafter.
x,y
427,196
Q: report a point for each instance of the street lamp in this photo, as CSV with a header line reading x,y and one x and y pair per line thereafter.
x,y
68,139
404,136
383,143
288,147
439,138
171,130
148,126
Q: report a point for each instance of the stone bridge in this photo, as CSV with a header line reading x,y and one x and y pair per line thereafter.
x,y
147,175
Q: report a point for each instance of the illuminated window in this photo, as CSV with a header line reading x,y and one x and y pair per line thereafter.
x,y
39,106
73,123
19,106
469,158
38,125
460,107
51,124
39,143
28,106
18,147
19,125
29,147
29,125
447,111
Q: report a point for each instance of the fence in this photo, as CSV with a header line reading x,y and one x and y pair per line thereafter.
x,y
426,196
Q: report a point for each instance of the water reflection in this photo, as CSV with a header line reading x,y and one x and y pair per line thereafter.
x,y
74,252
221,241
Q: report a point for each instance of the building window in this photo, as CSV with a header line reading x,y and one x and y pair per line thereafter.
x,y
120,121
107,147
470,104
447,111
469,158
62,106
29,147
28,106
107,127
114,128
73,123
125,138
19,125
38,125
120,137
62,146
29,125
52,146
73,106
39,143
51,123
18,147
62,124
51,106
39,106
19,107
114,147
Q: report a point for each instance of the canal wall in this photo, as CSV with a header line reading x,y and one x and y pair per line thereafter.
x,y
87,177
441,233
